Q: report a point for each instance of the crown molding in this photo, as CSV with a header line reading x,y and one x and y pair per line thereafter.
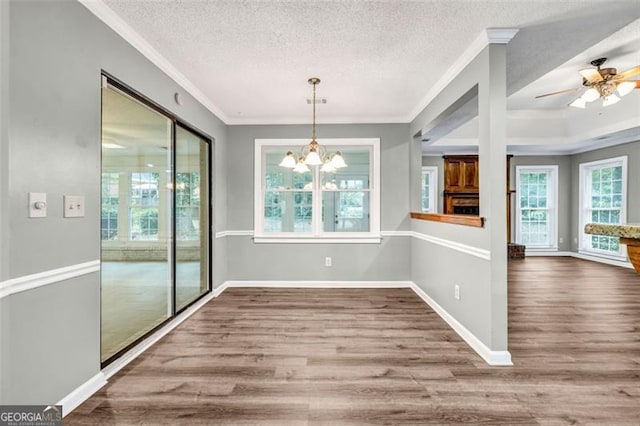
x,y
486,37
131,36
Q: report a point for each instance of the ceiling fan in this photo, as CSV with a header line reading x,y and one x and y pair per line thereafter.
x,y
602,83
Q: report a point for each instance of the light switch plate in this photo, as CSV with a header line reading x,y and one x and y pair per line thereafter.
x,y
73,206
37,204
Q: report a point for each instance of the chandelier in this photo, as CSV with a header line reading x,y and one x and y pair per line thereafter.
x,y
313,154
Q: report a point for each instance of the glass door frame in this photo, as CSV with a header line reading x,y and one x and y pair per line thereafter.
x,y
109,80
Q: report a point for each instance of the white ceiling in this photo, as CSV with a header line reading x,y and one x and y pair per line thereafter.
x,y
378,60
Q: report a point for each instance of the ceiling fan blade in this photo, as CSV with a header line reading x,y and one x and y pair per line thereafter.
x,y
558,93
628,73
592,75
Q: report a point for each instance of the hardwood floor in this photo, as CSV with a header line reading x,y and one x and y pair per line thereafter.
x,y
363,356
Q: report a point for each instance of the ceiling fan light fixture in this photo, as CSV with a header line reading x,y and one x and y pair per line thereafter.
x,y
579,103
626,87
590,95
610,100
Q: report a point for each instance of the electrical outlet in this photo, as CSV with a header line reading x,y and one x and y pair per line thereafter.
x,y
327,261
561,240
456,292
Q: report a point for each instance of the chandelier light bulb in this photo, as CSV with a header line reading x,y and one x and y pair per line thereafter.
x,y
327,167
338,161
312,158
288,161
301,167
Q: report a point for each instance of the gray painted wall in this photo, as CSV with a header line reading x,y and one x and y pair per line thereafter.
x,y
55,53
436,269
632,151
387,261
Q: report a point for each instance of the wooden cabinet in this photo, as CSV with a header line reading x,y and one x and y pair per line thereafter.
x,y
461,186
461,173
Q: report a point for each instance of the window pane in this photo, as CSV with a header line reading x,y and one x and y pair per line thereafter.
x,y
143,212
287,211
345,211
110,203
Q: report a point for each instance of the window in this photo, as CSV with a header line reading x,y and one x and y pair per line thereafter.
x,y
110,204
143,211
187,206
603,199
536,208
429,189
315,206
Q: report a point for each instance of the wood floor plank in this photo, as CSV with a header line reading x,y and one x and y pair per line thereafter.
x,y
280,356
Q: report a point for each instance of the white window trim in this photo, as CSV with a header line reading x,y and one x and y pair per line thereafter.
x,y
373,236
552,206
433,188
582,206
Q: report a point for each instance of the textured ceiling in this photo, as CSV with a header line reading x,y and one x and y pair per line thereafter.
x,y
377,60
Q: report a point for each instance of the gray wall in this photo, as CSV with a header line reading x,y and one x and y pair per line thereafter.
x,y
632,151
387,261
437,269
55,53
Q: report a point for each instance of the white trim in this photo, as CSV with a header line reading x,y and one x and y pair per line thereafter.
x,y
584,191
223,234
494,358
132,354
319,284
406,233
316,240
464,248
583,256
432,171
317,231
30,282
486,37
609,260
82,393
545,253
117,24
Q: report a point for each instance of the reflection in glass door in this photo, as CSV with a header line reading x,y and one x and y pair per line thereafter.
x,y
148,275
192,217
136,220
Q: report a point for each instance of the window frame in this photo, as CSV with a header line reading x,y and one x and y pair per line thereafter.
x,y
552,205
584,196
317,234
432,171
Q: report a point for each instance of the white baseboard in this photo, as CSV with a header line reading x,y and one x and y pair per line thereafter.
x,y
580,256
318,284
82,393
494,358
602,260
541,253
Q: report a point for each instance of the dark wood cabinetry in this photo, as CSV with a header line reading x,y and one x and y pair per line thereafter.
x,y
461,187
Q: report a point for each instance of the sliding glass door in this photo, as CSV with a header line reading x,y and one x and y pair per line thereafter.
x,y
192,216
155,219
